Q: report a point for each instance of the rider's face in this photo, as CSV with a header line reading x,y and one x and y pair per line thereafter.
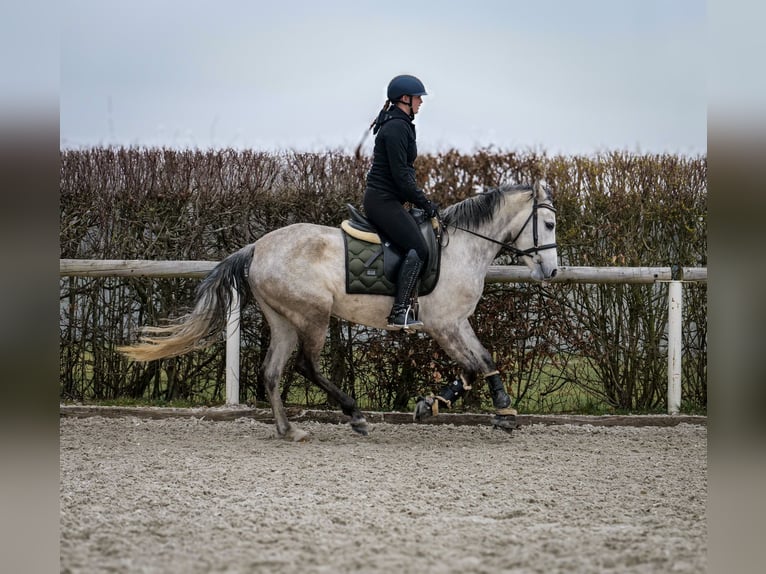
x,y
416,102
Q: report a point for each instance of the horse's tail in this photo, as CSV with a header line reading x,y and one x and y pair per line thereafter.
x,y
199,329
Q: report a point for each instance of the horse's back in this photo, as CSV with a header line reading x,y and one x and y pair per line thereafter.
x,y
300,271
301,256
302,241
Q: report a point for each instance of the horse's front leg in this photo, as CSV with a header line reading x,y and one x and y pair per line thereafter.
x,y
462,345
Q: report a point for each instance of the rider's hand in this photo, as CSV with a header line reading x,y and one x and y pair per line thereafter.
x,y
431,209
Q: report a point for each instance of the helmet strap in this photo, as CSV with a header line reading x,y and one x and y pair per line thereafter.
x,y
409,105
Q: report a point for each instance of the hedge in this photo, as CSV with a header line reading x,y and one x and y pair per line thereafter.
x,y
560,348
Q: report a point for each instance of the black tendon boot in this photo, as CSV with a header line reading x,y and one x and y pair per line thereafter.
x,y
402,316
505,417
449,393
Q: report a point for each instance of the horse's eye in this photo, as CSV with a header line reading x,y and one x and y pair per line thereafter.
x,y
550,225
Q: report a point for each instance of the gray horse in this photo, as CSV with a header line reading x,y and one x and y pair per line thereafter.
x,y
297,276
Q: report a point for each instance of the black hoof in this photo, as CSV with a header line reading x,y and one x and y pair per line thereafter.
x,y
423,408
360,426
505,422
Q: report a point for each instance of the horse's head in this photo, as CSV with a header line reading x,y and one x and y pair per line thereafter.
x,y
520,218
535,240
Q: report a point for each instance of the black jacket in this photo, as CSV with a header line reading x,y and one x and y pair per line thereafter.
x,y
393,159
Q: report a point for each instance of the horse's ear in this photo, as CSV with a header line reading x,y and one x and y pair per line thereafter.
x,y
541,189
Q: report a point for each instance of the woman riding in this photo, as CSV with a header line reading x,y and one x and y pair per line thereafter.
x,y
391,182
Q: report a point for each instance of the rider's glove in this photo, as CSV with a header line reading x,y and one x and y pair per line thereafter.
x,y
431,209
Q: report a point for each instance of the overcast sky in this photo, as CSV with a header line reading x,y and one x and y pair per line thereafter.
x,y
560,76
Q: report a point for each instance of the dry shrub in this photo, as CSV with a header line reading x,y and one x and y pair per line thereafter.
x,y
566,347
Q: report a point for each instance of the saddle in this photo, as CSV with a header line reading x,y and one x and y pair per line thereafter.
x,y
373,261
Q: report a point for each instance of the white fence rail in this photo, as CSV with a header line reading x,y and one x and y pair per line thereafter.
x,y
675,277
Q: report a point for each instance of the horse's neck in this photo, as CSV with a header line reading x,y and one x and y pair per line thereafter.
x,y
480,252
476,252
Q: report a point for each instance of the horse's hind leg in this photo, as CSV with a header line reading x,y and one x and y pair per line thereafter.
x,y
283,341
307,365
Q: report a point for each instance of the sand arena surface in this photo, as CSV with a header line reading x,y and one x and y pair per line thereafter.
x,y
191,495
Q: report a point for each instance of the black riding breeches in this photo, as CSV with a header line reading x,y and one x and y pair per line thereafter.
x,y
395,222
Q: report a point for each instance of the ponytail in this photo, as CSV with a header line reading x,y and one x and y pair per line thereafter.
x,y
377,118
374,127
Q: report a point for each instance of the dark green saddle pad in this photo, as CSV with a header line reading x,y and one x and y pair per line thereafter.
x,y
372,263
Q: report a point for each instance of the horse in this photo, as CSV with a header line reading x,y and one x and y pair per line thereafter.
x,y
296,274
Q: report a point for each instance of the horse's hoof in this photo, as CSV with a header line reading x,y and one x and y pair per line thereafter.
x,y
297,435
423,408
359,426
505,422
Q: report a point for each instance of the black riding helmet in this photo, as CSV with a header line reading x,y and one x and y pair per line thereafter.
x,y
400,86
405,86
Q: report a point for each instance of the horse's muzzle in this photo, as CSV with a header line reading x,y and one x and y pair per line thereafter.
x,y
541,273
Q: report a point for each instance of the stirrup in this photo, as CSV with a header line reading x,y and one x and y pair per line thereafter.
x,y
413,324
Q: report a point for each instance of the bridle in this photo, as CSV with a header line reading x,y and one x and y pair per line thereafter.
x,y
509,246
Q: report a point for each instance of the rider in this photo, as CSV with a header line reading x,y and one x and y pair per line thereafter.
x,y
391,183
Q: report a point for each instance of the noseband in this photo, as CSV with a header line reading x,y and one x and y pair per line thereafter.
x,y
509,246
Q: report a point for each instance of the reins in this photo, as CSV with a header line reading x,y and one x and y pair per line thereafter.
x,y
509,246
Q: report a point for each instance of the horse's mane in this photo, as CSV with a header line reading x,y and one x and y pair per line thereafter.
x,y
474,211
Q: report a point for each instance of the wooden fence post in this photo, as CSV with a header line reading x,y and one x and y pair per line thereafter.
x,y
232,350
675,345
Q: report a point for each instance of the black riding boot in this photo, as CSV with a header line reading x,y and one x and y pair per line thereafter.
x,y
402,315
